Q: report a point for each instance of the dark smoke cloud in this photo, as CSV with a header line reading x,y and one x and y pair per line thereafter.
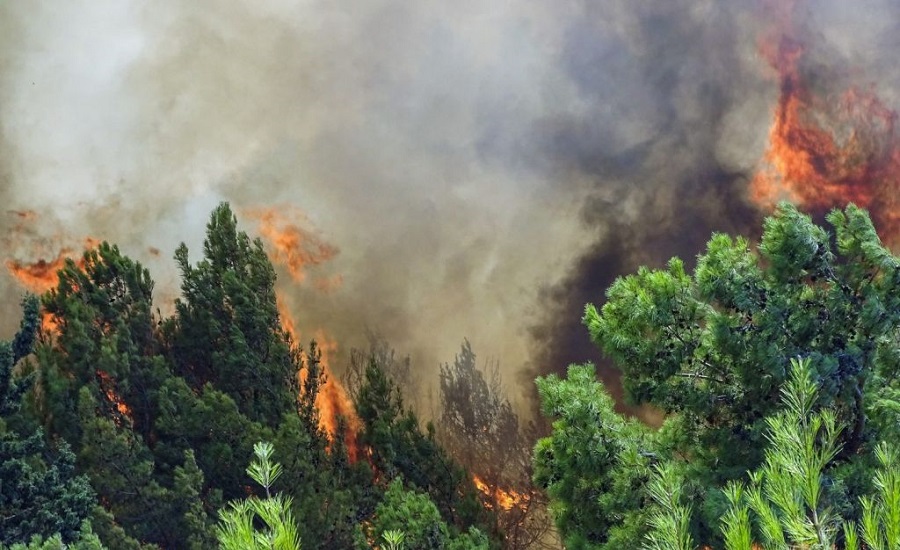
x,y
669,141
484,168
687,78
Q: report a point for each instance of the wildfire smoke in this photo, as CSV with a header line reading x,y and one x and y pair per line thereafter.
x,y
577,141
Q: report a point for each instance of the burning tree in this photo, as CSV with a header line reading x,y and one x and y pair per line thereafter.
x,y
396,447
161,413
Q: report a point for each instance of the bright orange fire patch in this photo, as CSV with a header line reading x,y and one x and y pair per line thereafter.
x,y
827,149
45,257
332,402
297,249
293,246
40,275
107,385
507,499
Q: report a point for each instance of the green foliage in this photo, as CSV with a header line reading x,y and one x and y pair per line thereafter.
x,y
330,494
40,494
106,341
802,443
86,539
393,539
594,464
482,431
161,446
227,330
400,449
880,524
475,416
412,512
12,390
188,493
420,522
112,534
159,415
236,529
209,423
669,523
121,470
712,349
785,505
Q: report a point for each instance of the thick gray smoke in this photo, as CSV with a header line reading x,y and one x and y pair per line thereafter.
x,y
485,168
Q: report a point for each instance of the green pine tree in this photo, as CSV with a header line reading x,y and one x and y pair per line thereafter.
x,y
40,494
237,530
227,331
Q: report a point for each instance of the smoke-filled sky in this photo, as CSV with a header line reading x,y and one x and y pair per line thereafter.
x,y
483,168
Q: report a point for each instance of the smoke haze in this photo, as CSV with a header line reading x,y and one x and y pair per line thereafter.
x,y
483,169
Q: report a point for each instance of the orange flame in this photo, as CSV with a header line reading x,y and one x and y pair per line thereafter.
x,y
825,152
297,248
507,499
293,246
332,401
41,275
107,385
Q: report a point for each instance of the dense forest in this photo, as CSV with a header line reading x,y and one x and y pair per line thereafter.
x,y
775,365
136,430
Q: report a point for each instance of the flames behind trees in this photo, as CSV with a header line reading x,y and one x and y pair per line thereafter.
x,y
293,246
479,426
827,148
40,275
505,499
35,262
336,412
297,249
290,246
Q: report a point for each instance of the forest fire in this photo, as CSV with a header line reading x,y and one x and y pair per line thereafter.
x,y
107,385
40,275
503,498
297,249
332,401
828,149
293,246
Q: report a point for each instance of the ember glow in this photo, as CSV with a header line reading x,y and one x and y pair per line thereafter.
x,y
828,149
108,386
